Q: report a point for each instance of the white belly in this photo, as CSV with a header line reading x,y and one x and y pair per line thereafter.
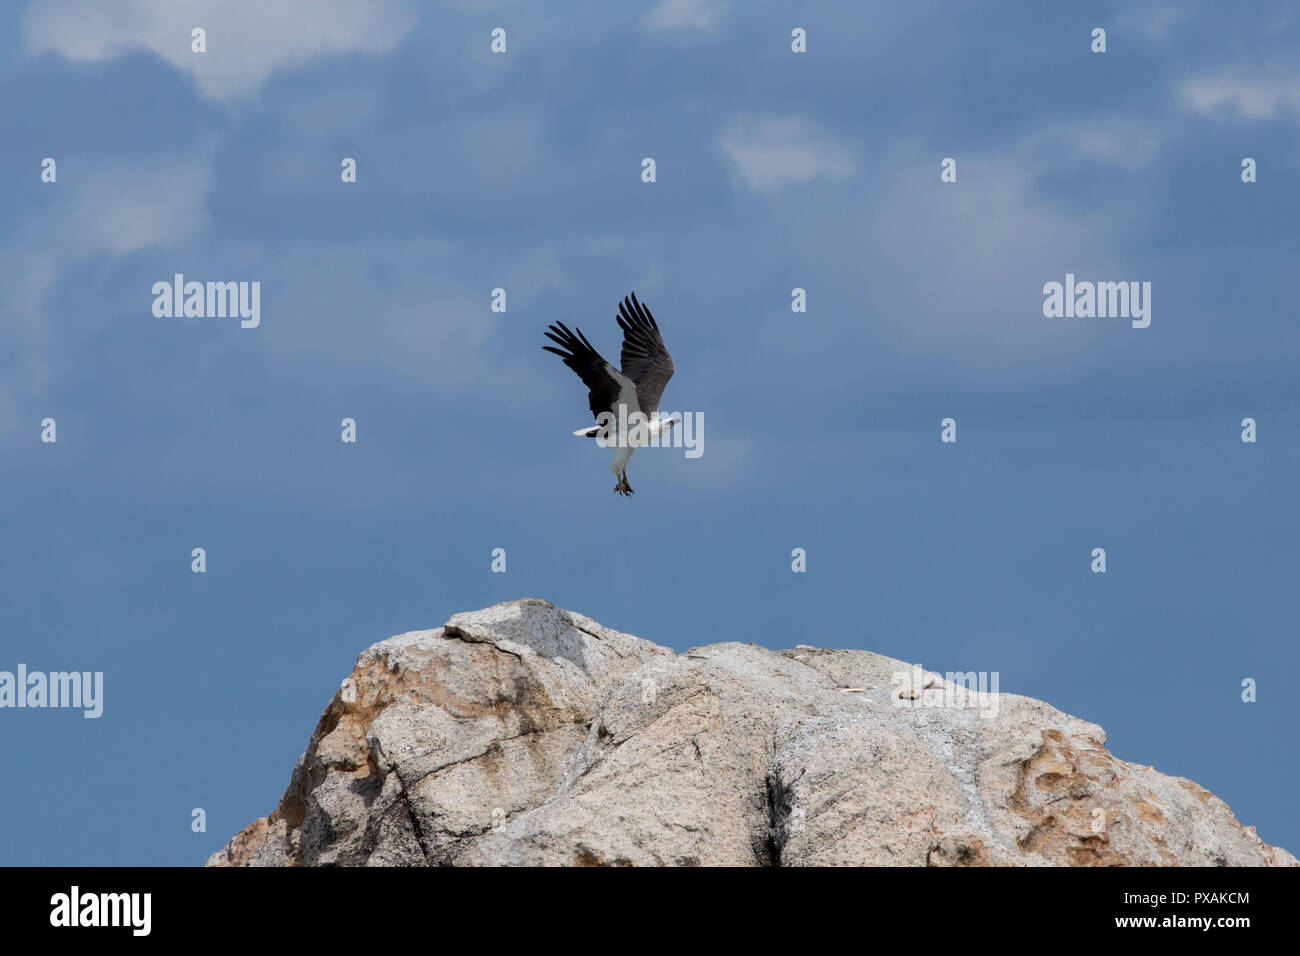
x,y
621,456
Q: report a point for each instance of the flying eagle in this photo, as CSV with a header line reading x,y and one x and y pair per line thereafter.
x,y
616,395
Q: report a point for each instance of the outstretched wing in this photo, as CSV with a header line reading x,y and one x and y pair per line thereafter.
x,y
645,360
609,387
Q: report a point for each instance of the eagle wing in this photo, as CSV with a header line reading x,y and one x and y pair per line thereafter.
x,y
608,387
645,360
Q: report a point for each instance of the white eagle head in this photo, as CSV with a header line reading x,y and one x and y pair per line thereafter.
x,y
662,427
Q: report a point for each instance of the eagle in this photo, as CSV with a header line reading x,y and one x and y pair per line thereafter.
x,y
629,395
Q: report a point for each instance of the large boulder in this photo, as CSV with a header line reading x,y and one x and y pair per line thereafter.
x,y
524,734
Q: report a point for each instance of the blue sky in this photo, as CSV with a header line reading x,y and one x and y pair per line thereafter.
x,y
521,170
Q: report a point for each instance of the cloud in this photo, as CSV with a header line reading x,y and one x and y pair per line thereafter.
x,y
404,310
247,40
1130,142
702,15
111,209
122,209
1155,20
769,152
26,277
725,462
945,280
1256,98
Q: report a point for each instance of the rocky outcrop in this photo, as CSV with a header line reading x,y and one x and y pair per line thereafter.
x,y
527,734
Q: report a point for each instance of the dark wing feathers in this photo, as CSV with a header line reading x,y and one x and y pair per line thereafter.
x,y
645,360
591,368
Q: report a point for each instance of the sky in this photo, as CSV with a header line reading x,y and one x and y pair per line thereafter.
x,y
522,170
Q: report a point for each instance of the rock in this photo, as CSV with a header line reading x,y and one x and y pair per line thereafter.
x,y
524,734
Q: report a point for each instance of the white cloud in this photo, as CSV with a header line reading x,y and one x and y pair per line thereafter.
x,y
247,40
1155,20
685,15
1129,142
121,209
26,276
114,210
403,309
725,461
769,152
948,277
1254,98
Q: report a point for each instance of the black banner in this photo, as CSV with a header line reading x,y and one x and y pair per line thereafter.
x,y
183,905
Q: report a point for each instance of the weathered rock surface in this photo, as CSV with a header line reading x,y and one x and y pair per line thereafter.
x,y
527,734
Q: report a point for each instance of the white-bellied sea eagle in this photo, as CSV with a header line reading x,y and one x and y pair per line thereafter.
x,y
625,403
